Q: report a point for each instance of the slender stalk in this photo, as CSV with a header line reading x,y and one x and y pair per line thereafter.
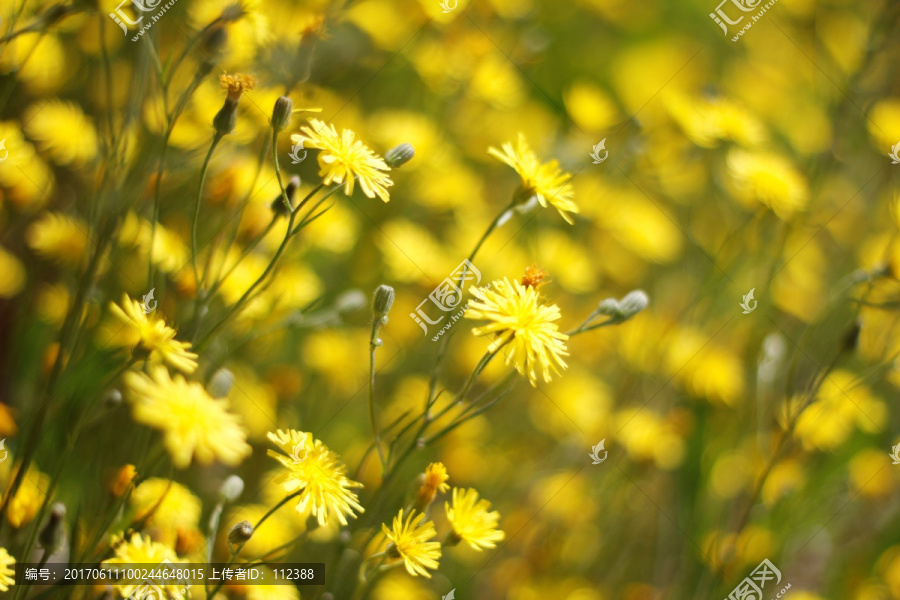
x,y
215,142
374,343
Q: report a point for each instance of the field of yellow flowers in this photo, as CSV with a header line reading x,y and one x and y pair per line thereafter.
x,y
449,299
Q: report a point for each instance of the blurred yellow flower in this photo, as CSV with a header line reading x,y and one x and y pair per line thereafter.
x,y
120,479
707,122
7,570
517,315
271,592
24,506
647,436
343,159
590,106
26,180
237,84
315,471
171,508
545,181
63,131
58,237
472,520
193,424
38,59
152,336
842,404
140,550
409,540
884,123
12,275
871,473
768,179
786,477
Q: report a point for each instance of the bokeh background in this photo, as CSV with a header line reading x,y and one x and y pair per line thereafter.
x,y
759,164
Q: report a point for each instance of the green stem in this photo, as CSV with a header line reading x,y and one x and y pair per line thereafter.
x,y
215,141
374,342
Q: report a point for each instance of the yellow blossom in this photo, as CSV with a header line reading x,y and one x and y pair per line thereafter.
x,y
7,570
25,504
140,550
58,237
409,540
169,507
343,158
193,424
63,131
516,314
12,275
472,520
435,480
315,471
768,179
545,181
151,335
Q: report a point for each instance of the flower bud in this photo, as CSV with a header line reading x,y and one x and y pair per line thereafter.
x,y
384,300
51,536
232,487
112,398
609,307
633,303
281,114
214,40
226,119
400,155
220,384
290,190
240,533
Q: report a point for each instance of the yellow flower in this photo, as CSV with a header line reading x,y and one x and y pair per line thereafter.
x,y
435,480
344,158
24,506
193,423
63,131
237,84
7,572
769,179
544,181
58,237
517,315
315,470
12,275
472,520
151,334
271,592
409,541
171,507
140,550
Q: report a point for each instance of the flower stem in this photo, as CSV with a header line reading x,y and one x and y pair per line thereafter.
x,y
374,342
215,142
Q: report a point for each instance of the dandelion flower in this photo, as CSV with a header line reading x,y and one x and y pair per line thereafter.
x,y
154,337
472,520
12,275
409,541
517,315
237,84
140,550
63,131
7,572
315,471
343,158
435,480
193,423
168,506
545,181
769,179
58,237
25,504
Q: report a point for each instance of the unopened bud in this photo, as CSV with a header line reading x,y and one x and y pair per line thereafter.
x,y
51,536
633,303
220,384
214,40
350,301
232,487
400,155
112,398
609,307
290,190
384,300
240,533
226,119
281,114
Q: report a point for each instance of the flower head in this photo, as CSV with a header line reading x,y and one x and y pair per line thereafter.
x,y
472,520
768,179
7,572
237,84
151,335
169,507
315,471
344,158
58,237
517,315
140,550
545,181
28,499
193,423
409,541
435,480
